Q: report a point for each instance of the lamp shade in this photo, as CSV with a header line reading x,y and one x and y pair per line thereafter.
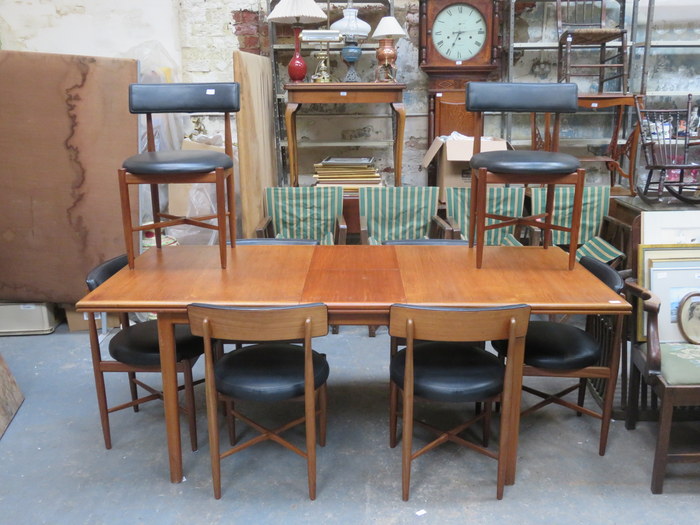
x,y
296,12
350,25
388,27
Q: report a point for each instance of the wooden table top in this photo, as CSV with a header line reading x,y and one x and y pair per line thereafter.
x,y
354,279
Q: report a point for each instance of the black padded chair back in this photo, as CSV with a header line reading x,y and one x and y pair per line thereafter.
x,y
184,98
604,272
277,242
522,97
104,271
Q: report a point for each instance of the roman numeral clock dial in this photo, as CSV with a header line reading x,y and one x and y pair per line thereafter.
x,y
459,43
459,32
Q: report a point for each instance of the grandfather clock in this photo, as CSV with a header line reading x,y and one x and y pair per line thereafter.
x,y
459,42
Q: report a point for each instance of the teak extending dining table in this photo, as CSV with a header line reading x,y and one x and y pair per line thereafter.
x,y
357,283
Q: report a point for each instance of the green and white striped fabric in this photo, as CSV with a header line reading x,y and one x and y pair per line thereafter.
x,y
596,202
304,213
398,213
501,201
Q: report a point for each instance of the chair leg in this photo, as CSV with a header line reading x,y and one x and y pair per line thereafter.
x,y
323,414
230,194
662,442
632,412
229,407
310,423
407,445
486,428
155,207
189,402
133,389
221,213
213,428
581,394
126,217
393,413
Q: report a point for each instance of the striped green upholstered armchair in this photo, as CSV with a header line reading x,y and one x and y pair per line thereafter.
x,y
507,201
304,213
406,212
596,202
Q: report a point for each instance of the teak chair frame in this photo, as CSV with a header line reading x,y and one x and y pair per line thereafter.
x,y
460,324
274,324
223,178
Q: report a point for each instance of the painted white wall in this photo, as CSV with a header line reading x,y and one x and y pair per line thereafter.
x,y
91,27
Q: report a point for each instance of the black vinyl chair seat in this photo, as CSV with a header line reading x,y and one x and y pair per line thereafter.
x,y
526,162
559,346
176,162
137,345
267,372
453,372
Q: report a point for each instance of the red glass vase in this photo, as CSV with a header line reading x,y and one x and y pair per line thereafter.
x,y
297,66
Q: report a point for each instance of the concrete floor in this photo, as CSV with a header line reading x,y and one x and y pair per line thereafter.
x,y
54,467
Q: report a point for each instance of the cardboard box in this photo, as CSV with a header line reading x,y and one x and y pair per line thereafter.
x,y
27,318
78,321
453,156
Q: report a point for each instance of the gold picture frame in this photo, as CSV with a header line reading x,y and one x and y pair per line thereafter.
x,y
648,255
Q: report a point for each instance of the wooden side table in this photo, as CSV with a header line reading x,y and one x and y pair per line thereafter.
x,y
343,93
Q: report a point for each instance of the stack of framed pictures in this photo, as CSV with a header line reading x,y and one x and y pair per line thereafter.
x,y
669,266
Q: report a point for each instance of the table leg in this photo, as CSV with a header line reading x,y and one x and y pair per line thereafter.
x,y
400,111
290,120
166,341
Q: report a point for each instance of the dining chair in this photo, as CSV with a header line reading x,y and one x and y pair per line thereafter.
x,y
404,212
271,370
154,167
134,349
441,362
595,204
583,29
501,201
672,370
557,349
304,213
550,167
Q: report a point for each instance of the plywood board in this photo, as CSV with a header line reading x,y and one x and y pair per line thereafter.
x,y
255,135
64,131
10,396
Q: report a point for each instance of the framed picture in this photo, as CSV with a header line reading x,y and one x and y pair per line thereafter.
x,y
676,271
689,317
670,227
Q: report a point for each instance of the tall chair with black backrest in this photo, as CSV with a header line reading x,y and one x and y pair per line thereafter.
x,y
671,369
154,167
555,349
583,29
441,363
522,167
135,350
274,369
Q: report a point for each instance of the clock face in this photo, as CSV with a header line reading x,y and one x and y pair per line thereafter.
x,y
459,32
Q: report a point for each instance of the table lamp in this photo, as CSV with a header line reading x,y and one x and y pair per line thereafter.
x,y
353,30
296,12
387,30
